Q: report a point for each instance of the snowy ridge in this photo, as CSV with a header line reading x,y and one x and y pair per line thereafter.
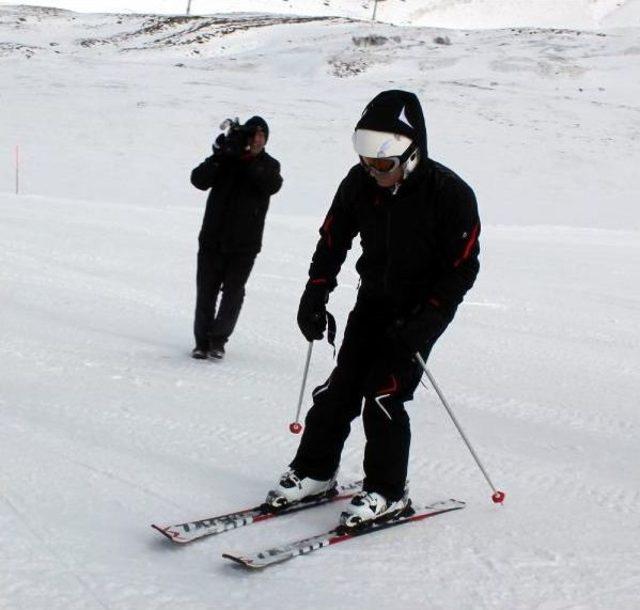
x,y
534,103
456,14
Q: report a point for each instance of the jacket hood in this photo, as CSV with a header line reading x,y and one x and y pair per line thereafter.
x,y
396,111
258,121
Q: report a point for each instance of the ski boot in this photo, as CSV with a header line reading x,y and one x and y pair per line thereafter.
x,y
369,506
293,488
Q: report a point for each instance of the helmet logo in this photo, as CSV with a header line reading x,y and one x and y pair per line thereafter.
x,y
402,117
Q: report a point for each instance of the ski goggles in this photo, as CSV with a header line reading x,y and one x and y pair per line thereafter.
x,y
380,166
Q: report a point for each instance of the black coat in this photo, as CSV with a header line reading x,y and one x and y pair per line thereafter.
x,y
238,202
419,246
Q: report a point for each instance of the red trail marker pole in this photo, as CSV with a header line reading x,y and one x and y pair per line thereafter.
x,y
17,169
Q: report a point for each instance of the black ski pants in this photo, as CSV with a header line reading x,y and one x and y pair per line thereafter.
x,y
225,273
371,369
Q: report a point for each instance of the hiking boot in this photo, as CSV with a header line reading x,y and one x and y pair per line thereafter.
x,y
200,353
217,352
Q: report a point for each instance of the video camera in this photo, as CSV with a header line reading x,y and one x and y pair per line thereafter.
x,y
236,138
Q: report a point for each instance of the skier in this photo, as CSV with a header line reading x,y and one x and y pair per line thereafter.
x,y
242,177
418,224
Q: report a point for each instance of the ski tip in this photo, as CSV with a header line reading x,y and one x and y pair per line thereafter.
x,y
242,561
162,530
167,533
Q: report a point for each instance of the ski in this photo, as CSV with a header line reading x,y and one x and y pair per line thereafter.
x,y
182,533
278,554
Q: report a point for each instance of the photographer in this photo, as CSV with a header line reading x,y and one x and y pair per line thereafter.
x,y
242,177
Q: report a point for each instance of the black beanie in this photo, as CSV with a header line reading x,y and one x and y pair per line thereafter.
x,y
258,121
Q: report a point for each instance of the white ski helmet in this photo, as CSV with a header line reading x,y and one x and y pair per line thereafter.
x,y
381,144
377,144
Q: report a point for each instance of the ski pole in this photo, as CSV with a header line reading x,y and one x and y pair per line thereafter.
x,y
296,427
498,496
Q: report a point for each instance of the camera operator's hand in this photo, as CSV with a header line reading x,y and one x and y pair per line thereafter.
x,y
218,144
236,143
232,144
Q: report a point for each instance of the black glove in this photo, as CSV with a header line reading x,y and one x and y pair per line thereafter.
x,y
413,333
218,145
235,142
312,312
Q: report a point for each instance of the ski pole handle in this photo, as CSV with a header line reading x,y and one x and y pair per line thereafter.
x,y
296,426
498,496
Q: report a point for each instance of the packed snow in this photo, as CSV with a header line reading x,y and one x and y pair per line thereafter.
x,y
107,425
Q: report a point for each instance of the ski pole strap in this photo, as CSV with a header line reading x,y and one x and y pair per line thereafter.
x,y
331,332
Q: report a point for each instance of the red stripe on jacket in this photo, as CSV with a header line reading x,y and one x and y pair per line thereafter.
x,y
471,242
391,389
326,228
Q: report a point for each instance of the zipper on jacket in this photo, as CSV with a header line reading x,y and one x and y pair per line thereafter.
x,y
388,265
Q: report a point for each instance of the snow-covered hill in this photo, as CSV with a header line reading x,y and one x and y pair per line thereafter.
x,y
542,122
106,424
470,14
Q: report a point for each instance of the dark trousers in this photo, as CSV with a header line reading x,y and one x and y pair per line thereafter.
x,y
371,369
219,272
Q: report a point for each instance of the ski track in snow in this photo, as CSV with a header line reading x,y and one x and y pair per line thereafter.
x,y
107,425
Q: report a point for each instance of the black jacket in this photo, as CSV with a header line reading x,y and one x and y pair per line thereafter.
x,y
419,246
238,202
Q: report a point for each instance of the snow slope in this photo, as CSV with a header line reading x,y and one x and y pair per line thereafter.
x,y
106,424
543,123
